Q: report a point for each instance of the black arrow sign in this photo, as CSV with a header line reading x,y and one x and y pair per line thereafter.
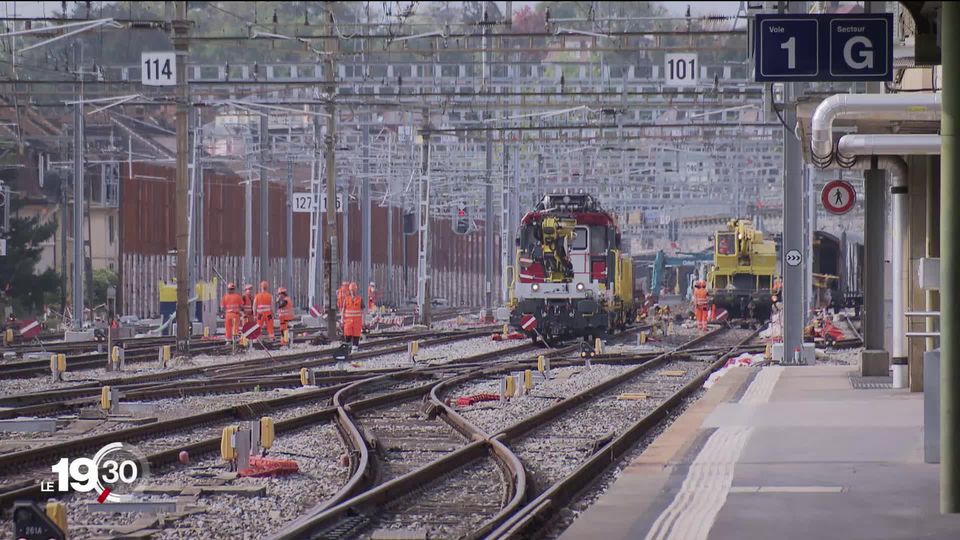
x,y
794,257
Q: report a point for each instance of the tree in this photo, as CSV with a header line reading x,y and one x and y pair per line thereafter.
x,y
103,278
528,21
20,285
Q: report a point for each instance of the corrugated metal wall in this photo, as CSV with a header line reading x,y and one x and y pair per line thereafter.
x,y
148,235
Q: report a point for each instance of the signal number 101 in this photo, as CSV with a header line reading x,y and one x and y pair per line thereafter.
x,y
682,69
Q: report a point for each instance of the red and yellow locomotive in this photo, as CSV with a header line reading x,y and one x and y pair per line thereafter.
x,y
572,280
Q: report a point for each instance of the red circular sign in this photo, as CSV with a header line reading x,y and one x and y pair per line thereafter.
x,y
838,196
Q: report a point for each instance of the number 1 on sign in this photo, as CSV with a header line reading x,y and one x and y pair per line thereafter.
x,y
790,46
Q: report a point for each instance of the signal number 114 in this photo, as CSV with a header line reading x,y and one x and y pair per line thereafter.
x,y
155,68
159,68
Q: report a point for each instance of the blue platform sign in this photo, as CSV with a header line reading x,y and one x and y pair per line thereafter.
x,y
830,47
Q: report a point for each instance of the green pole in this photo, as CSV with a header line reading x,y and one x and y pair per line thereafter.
x,y
949,257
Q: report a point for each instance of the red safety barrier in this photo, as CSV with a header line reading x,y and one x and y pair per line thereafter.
x,y
514,335
830,330
466,401
261,467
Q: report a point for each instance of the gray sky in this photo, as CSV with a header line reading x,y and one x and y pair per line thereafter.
x,y
39,9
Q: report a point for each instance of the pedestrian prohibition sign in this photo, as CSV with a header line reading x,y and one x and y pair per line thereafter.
x,y
838,196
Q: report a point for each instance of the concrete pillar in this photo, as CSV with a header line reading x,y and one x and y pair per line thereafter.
x,y
921,168
875,359
950,259
793,238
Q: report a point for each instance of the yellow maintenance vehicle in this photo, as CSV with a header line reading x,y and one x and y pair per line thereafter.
x,y
743,279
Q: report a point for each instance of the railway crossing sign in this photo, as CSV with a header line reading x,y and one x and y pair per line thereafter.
x,y
251,330
793,257
30,329
528,323
838,196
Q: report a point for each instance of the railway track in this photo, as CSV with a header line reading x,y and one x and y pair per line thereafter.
x,y
97,349
367,393
556,487
502,509
183,433
171,383
31,368
202,437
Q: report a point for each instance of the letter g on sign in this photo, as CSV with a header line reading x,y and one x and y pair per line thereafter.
x,y
865,54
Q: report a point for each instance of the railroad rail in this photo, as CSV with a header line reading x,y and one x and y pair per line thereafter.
x,y
66,399
13,464
520,506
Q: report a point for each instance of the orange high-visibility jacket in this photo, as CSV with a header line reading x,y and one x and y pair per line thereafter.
x,y
231,303
263,303
247,305
352,316
285,308
700,297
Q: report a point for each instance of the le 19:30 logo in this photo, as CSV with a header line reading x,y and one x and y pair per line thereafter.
x,y
115,470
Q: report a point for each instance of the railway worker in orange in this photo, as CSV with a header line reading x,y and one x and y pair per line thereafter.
x,y
352,315
263,305
372,297
700,303
246,308
231,304
284,313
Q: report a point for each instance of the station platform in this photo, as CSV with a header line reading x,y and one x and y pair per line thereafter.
x,y
785,453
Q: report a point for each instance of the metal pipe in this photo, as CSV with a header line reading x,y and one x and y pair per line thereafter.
x,y
875,145
248,229
389,287
923,334
878,106
898,258
181,44
330,262
264,199
950,259
288,277
365,217
78,216
903,145
922,314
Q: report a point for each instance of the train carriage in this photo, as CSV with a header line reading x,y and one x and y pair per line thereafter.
x,y
572,279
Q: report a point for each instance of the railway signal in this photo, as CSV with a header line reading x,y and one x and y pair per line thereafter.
x,y
461,218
